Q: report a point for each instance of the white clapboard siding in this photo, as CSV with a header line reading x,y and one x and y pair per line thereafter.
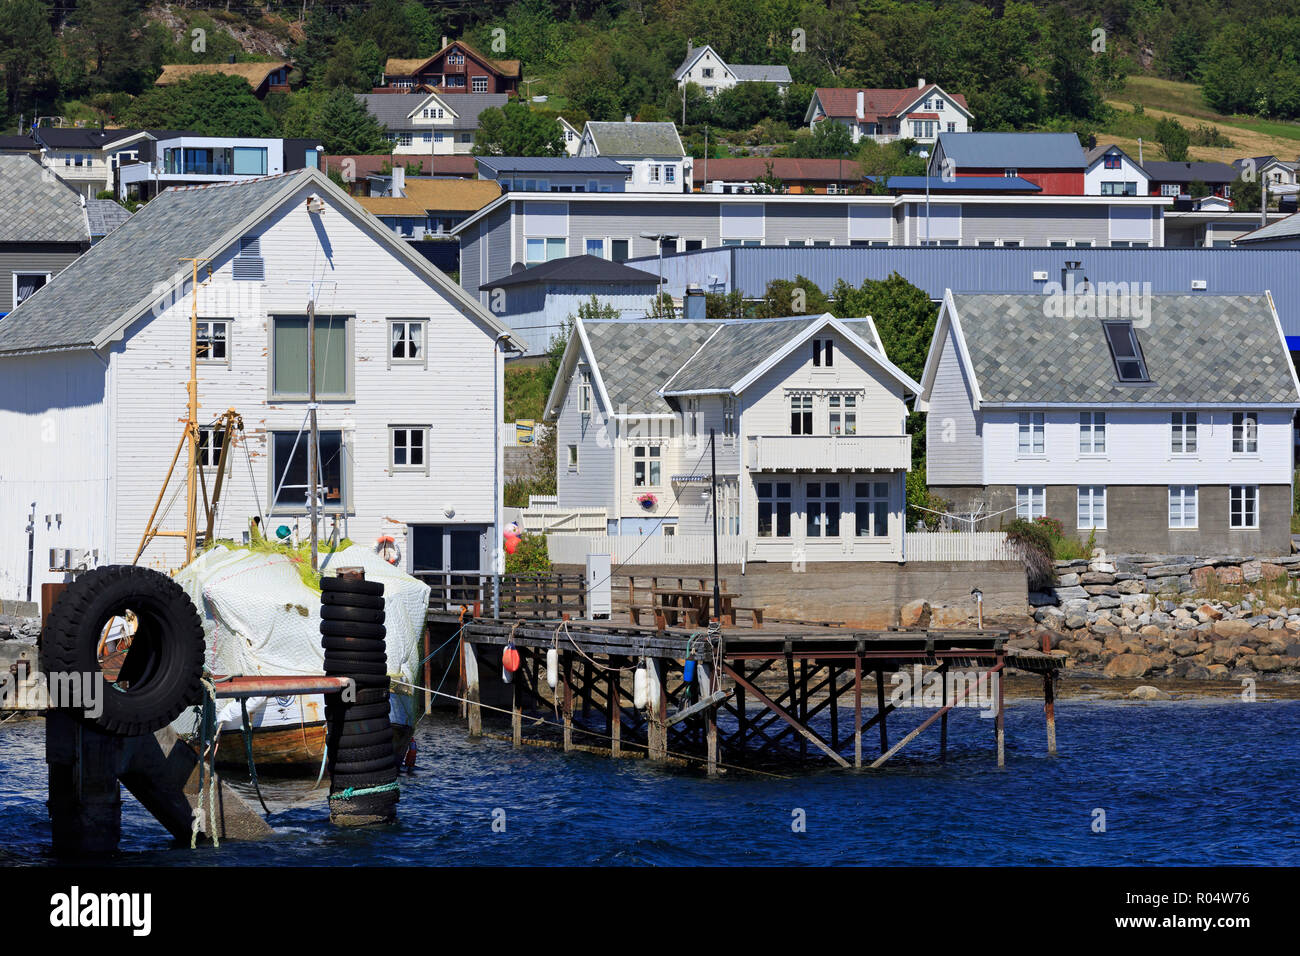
x,y
645,549
960,546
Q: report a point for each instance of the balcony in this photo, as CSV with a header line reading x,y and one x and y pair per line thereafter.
x,y
830,452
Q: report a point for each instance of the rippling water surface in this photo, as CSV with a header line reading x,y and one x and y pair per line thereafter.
x,y
1186,782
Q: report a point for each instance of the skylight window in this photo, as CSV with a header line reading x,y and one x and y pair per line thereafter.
x,y
1130,366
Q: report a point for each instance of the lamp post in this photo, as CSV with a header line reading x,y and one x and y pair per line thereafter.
x,y
660,238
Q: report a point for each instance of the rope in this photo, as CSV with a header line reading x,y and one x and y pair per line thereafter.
x,y
207,766
351,792
564,626
248,752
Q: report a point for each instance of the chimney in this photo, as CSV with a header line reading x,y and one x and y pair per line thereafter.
x,y
444,43
693,303
862,105
920,83
627,117
399,182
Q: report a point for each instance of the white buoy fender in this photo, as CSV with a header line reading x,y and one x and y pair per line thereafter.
x,y
552,668
506,676
640,695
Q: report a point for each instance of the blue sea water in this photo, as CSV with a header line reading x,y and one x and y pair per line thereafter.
x,y
1181,782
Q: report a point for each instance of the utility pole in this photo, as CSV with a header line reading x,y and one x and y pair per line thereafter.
x,y
313,479
717,591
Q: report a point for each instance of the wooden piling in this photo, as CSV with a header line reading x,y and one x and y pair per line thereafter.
x,y
943,721
566,677
707,686
1049,699
880,710
473,712
657,701
614,693
857,709
1000,721
517,708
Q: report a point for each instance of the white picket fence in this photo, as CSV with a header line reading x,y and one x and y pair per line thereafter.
x,y
645,549
576,521
959,546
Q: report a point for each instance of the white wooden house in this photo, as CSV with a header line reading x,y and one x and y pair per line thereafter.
x,y
94,366
808,415
1163,423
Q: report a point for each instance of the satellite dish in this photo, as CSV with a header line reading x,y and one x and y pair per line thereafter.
x,y
517,268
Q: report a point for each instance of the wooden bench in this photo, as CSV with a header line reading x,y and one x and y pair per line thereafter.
x,y
663,616
755,612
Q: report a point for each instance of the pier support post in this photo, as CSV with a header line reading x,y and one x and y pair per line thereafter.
x,y
657,697
474,713
517,709
615,710
880,710
566,677
943,721
1000,721
857,709
707,687
1049,699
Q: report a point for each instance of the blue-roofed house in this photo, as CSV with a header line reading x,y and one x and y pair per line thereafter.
x,y
556,174
1053,161
809,416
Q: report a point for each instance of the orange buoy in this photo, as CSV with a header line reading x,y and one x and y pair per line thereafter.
x,y
510,659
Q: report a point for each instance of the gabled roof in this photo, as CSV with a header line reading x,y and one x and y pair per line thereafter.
x,y
639,363
635,140
433,195
842,102
1012,150
255,73
1095,155
1167,172
121,278
38,207
397,110
1018,351
397,66
1288,228
761,72
10,143
105,215
586,270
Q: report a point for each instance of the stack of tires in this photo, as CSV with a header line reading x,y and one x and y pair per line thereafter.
x,y
362,764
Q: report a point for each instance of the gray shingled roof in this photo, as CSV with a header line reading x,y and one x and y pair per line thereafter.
x,y
1167,172
98,289
635,140
105,215
1022,355
393,109
1013,150
36,206
1288,228
761,72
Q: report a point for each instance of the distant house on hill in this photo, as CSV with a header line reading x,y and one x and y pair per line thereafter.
x,y
430,124
456,68
268,77
704,67
920,113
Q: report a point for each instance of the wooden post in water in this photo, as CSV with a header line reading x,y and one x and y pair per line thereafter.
x,y
615,710
566,677
1000,721
517,708
657,700
707,686
473,712
857,709
880,709
1049,699
943,721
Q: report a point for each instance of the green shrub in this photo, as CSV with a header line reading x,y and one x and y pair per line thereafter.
x,y
530,557
1035,543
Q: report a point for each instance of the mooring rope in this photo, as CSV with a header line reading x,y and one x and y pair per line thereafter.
x,y
351,792
207,763
248,751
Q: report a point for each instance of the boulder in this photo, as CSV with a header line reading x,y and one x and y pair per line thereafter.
x,y
1207,612
1229,574
1147,692
914,614
1236,629
1266,663
1128,666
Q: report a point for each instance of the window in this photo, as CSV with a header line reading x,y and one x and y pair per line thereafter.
x,y
1030,437
952,127
289,356
823,511
1244,506
573,458
25,283
728,418
823,353
210,441
871,509
1127,188
773,509
620,249
1169,189
1092,433
210,342
289,471
1182,506
706,72
406,341
645,466
844,414
1130,366
1031,501
1112,161
543,250
1245,433
692,417
407,445
248,160
1010,173
479,84
1182,433
596,247
1092,507
654,172
584,392
801,414
670,174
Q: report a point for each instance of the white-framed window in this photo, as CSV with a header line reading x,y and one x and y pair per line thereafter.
x,y
1245,433
822,509
773,508
406,341
670,174
1030,433
1243,507
1182,506
25,283
823,353
844,414
801,415
1092,507
871,509
212,341
692,417
1182,433
620,250
479,84
728,417
654,172
289,474
543,250
1170,189
584,392
333,353
408,448
210,442
1092,433
573,458
646,466
594,247
1011,172
1031,501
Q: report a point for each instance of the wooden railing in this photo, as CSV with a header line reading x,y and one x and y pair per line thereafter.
x,y
543,596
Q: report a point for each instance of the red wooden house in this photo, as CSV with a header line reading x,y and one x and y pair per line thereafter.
x,y
456,68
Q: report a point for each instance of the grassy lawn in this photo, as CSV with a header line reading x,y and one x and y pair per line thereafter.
x,y
526,391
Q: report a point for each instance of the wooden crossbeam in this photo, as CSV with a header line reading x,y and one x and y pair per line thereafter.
x,y
711,701
941,712
807,733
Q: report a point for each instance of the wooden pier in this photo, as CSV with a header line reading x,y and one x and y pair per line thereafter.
x,y
761,698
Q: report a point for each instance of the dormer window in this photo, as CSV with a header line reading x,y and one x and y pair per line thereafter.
x,y
1126,352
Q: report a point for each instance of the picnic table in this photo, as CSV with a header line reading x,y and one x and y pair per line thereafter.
x,y
682,601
